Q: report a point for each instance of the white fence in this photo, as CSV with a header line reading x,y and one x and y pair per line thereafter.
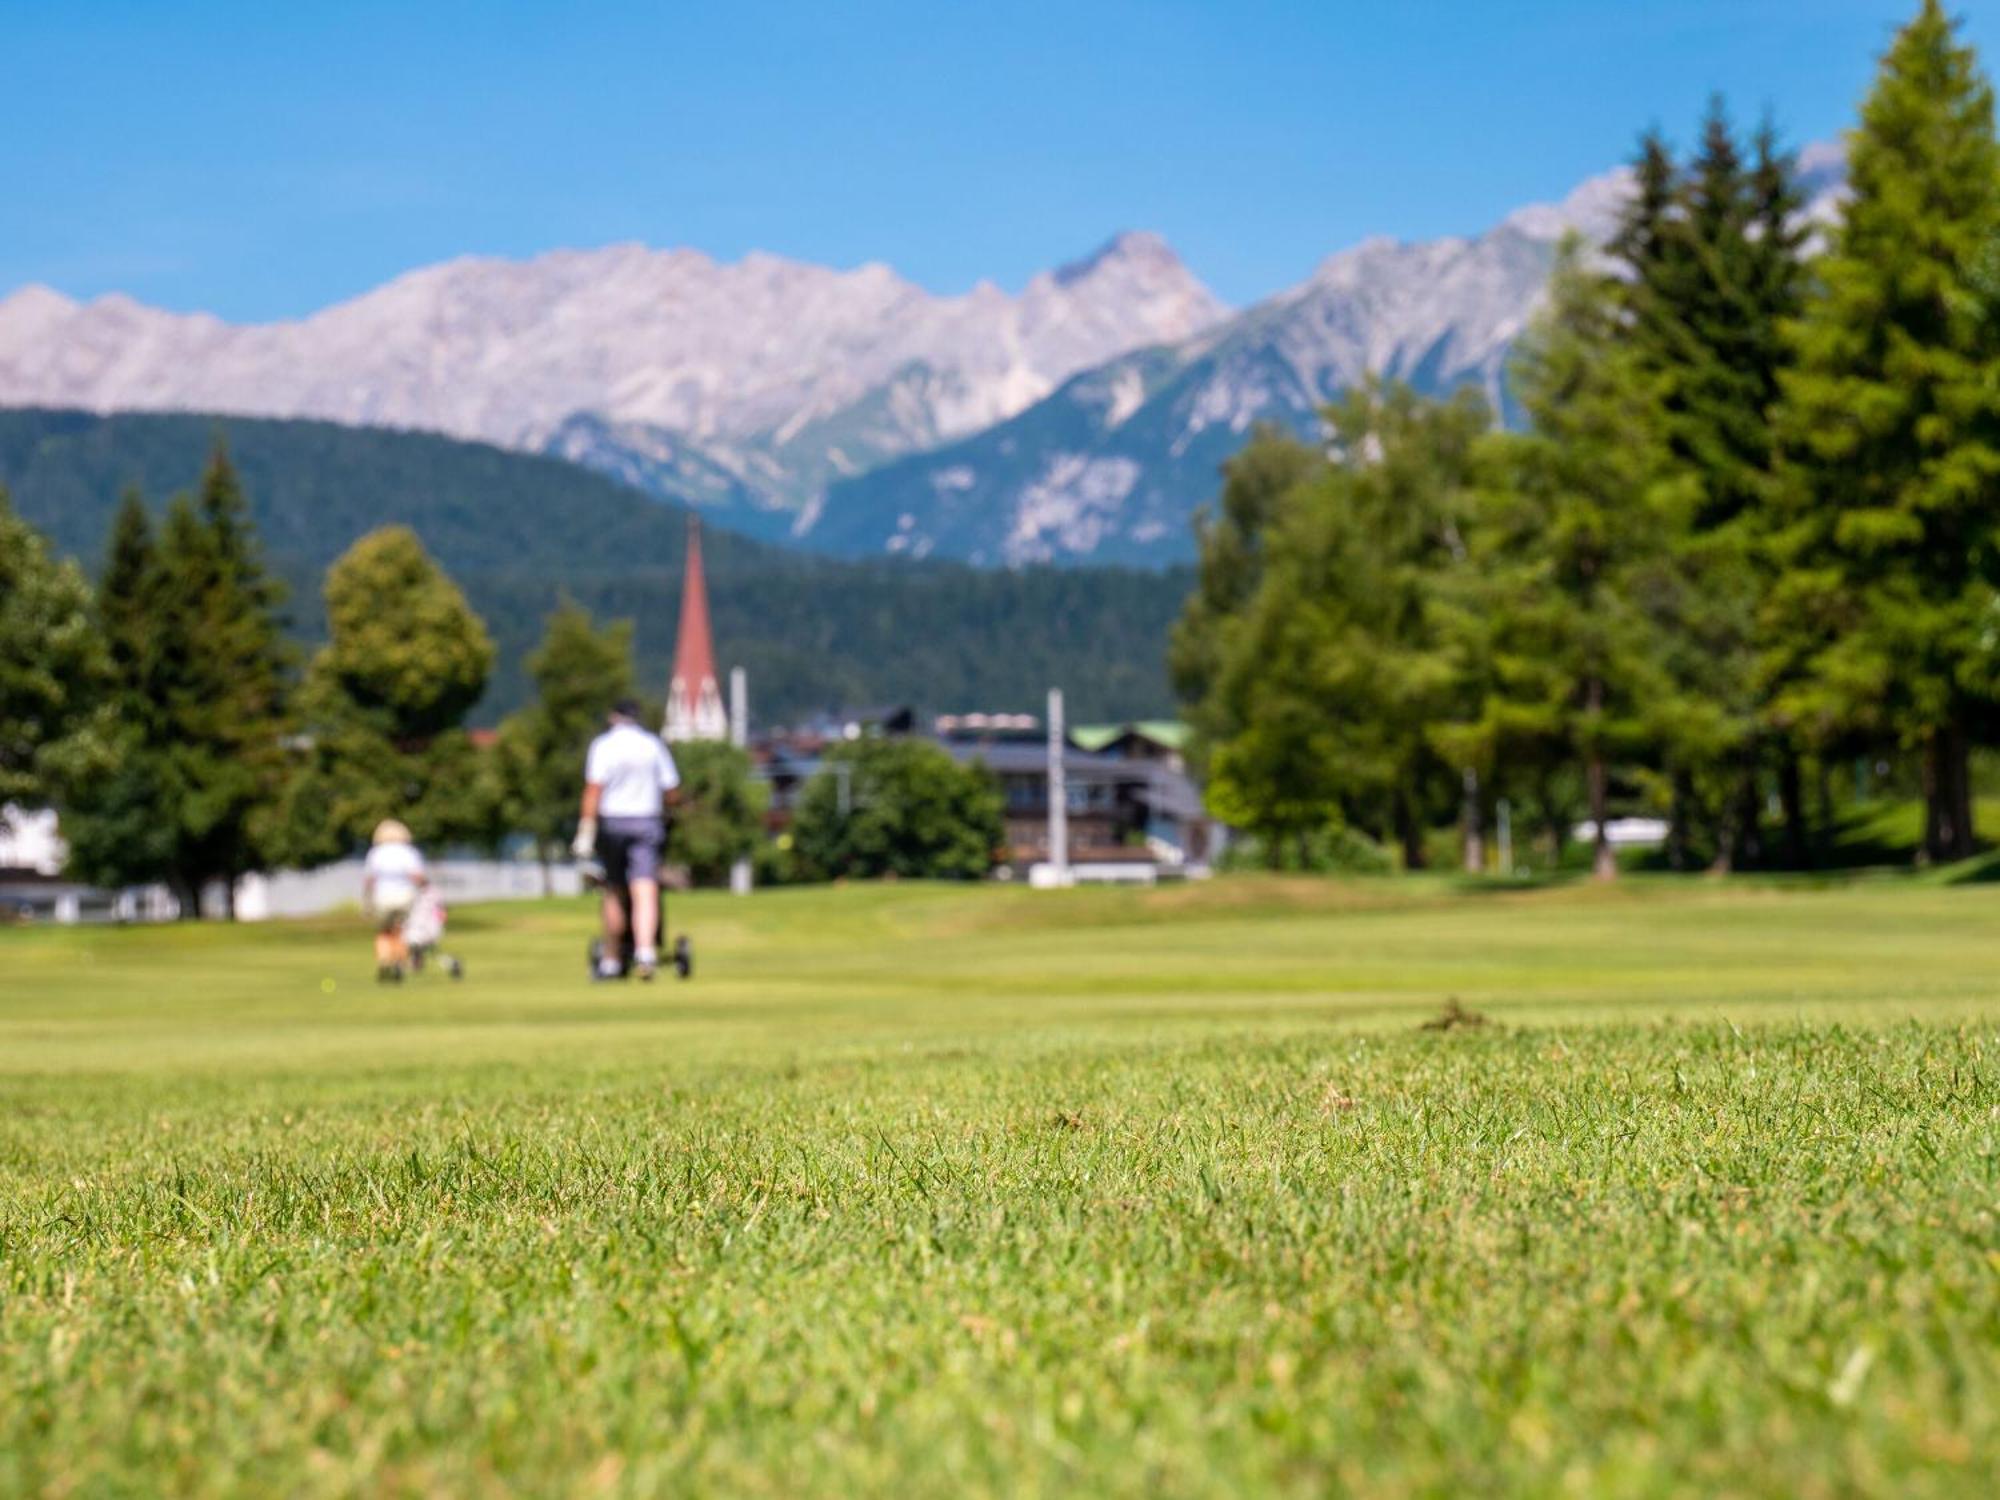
x,y
307,893
285,893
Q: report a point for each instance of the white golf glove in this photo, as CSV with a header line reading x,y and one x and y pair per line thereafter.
x,y
585,843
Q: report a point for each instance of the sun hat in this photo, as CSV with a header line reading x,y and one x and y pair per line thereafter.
x,y
389,831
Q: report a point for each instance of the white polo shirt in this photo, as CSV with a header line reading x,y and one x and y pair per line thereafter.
x,y
633,768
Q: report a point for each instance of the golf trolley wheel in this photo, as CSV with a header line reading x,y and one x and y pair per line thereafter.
x,y
683,957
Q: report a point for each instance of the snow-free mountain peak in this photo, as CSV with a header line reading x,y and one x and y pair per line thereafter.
x,y
34,299
1590,209
1083,417
1131,247
1112,466
782,373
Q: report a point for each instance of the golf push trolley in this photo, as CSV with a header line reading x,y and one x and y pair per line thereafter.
x,y
680,957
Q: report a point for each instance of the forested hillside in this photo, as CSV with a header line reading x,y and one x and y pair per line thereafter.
x,y
518,532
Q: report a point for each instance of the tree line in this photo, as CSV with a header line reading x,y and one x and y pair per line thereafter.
x,y
520,533
186,741
1749,532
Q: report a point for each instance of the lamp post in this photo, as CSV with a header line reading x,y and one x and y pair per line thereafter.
x,y
739,736
1058,791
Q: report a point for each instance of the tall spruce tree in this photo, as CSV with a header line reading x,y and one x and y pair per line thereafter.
x,y
1777,281
1641,238
1573,544
223,667
129,598
1891,514
121,820
1712,271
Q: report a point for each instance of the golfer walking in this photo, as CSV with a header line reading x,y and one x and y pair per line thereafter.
x,y
629,780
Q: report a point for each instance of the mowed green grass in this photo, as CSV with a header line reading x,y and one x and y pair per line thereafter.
x,y
985,1191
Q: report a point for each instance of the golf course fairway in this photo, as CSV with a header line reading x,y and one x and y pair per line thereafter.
x,y
977,1190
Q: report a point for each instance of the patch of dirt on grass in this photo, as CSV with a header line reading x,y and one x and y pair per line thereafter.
x,y
1453,1017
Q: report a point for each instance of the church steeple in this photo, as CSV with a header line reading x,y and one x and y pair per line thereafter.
x,y
694,697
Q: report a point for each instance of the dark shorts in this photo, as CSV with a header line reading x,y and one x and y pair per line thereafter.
x,y
630,848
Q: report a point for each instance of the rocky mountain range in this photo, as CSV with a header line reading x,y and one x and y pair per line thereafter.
x,y
748,386
1111,466
1082,419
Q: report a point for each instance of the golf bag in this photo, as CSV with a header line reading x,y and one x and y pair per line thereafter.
x,y
423,934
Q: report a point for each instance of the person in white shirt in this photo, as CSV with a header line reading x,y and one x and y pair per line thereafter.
x,y
629,781
390,879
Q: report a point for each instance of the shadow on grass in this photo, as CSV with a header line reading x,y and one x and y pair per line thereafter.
x,y
1872,839
1981,869
1517,883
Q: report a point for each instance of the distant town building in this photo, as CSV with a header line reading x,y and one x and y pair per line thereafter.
x,y
1132,812
32,886
695,709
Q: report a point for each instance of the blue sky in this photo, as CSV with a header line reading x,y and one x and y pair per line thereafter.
x,y
262,160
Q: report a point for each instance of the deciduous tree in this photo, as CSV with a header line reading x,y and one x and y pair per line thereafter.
x,y
720,815
1232,544
381,709
52,662
898,807
579,671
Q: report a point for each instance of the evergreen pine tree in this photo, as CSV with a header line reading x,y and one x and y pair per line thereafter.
x,y
121,819
1777,277
1711,276
222,665
128,598
1643,240
1574,547
1891,541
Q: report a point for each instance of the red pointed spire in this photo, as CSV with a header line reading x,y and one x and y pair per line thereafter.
x,y
694,697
